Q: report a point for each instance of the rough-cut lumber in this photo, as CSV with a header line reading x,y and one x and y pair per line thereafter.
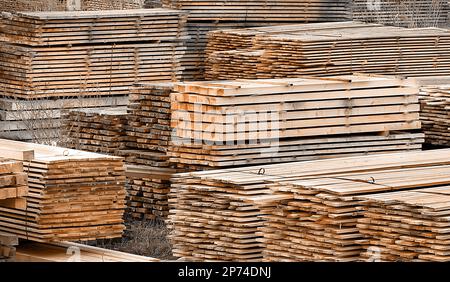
x,y
73,195
435,113
148,191
54,54
149,133
90,27
96,130
39,120
294,211
244,122
248,11
13,181
407,13
69,5
205,16
327,49
407,225
72,252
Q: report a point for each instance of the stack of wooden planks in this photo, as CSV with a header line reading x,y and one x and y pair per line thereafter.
x,y
39,120
149,133
94,5
407,13
435,113
205,16
68,5
96,130
55,54
13,183
72,252
8,245
407,225
280,10
328,49
73,195
32,5
303,211
247,122
148,191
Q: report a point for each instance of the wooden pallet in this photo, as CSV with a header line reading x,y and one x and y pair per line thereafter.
x,y
96,130
416,13
407,225
281,10
293,211
39,120
324,50
8,245
245,122
72,252
73,195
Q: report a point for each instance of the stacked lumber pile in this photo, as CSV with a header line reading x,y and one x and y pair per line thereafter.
x,y
32,5
329,49
69,5
39,120
248,122
72,252
206,16
8,245
96,130
13,183
148,191
93,5
73,195
407,13
91,54
280,10
149,133
435,114
301,211
407,225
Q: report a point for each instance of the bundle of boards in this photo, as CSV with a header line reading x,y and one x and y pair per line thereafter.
x,y
328,49
149,133
247,122
39,120
67,5
73,195
407,225
95,5
96,130
407,13
206,16
55,54
303,211
262,10
435,113
13,183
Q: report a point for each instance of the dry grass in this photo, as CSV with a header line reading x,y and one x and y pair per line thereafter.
x,y
145,238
